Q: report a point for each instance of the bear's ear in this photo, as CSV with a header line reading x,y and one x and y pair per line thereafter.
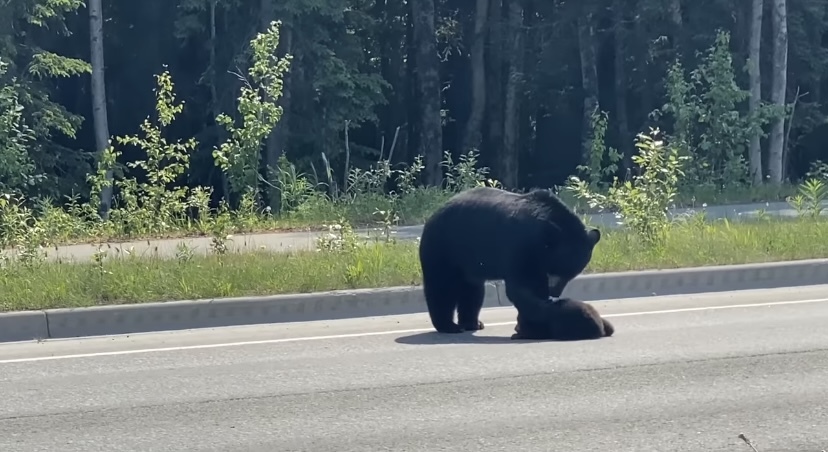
x,y
594,235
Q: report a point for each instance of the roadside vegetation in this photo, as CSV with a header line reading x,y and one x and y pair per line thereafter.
x,y
346,262
160,203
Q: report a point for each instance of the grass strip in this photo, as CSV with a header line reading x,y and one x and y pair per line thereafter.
x,y
47,285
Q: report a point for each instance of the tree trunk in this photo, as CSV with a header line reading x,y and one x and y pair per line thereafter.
x,y
472,135
493,132
776,140
643,76
531,160
754,49
589,79
677,22
392,68
624,137
428,78
214,83
508,168
411,137
99,111
675,13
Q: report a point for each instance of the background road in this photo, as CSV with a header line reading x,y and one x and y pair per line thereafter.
x,y
285,241
689,379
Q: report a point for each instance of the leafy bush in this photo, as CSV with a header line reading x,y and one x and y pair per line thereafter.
x,y
709,124
17,171
642,202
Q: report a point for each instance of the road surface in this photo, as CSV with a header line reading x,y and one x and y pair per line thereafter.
x,y
683,373
285,241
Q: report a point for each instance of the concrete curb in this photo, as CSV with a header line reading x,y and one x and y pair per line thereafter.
x,y
23,326
178,315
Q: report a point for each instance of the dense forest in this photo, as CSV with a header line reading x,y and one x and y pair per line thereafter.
x,y
532,85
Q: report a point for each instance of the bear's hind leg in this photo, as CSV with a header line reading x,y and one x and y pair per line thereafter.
x,y
441,295
469,303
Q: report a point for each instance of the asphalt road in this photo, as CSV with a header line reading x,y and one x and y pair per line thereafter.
x,y
285,241
690,377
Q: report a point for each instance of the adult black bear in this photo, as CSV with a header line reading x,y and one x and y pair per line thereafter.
x,y
562,319
532,241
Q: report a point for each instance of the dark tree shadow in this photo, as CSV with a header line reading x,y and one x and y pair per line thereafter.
x,y
435,338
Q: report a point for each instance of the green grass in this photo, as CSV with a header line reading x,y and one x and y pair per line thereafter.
x,y
134,280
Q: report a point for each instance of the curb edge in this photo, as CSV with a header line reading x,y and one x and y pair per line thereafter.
x,y
340,304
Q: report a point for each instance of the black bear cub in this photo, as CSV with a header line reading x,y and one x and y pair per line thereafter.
x,y
562,319
532,241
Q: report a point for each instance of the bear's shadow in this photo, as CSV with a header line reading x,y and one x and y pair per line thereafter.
x,y
435,338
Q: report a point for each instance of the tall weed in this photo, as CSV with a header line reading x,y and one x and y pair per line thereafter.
x,y
642,202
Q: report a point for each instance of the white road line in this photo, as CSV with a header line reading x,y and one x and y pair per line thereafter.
x,y
714,308
375,333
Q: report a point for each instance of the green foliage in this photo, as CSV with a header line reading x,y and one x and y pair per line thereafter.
x,y
48,64
157,205
596,169
17,170
642,202
346,45
818,169
340,238
24,25
709,124
150,199
465,174
152,203
812,194
239,156
294,189
45,11
810,200
20,232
